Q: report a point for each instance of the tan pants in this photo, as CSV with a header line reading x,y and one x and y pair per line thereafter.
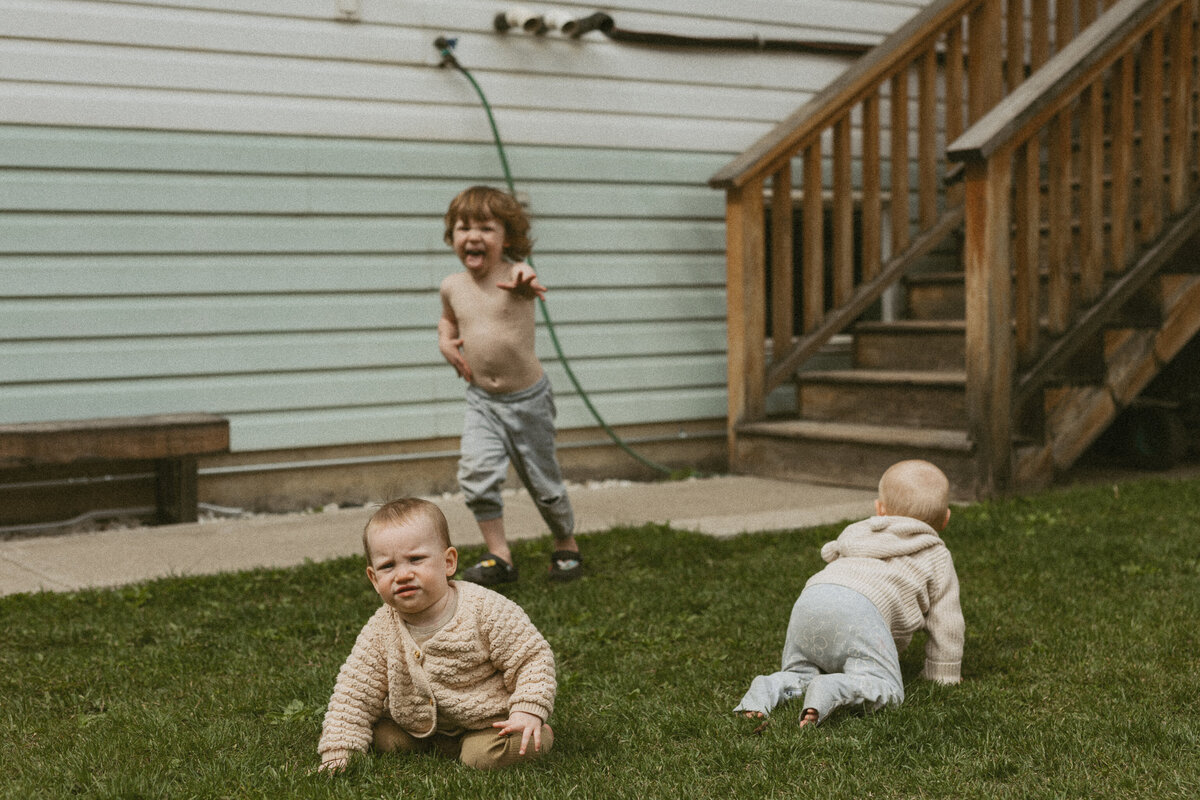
x,y
482,749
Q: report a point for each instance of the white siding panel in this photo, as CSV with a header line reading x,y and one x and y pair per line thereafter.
x,y
709,18
134,275
106,233
76,21
108,65
79,191
114,359
346,389
236,205
67,148
215,316
147,275
38,104
221,315
391,423
167,58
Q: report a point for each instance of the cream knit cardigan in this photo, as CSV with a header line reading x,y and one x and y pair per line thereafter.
x,y
904,568
487,662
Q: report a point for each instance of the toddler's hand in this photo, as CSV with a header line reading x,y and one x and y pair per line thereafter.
x,y
333,765
528,724
524,284
453,353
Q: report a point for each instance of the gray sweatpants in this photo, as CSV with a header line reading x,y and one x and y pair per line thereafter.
x,y
838,652
517,428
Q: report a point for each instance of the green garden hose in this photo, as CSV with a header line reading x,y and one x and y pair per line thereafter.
x,y
446,47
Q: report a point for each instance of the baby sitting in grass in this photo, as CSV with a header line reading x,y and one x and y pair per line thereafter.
x,y
443,665
887,577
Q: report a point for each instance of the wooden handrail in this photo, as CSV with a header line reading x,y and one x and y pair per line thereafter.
x,y
864,76
1116,200
1057,83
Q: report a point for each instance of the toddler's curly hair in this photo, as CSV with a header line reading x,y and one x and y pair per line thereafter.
x,y
480,203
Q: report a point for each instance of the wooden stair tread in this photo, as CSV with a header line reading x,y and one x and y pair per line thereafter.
x,y
936,277
933,438
913,326
875,376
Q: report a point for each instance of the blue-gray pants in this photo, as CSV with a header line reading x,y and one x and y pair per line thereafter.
x,y
519,428
838,652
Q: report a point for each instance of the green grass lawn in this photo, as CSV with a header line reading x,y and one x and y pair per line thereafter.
x,y
1081,674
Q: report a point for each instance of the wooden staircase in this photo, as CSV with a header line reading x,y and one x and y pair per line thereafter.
x,y
903,394
1076,279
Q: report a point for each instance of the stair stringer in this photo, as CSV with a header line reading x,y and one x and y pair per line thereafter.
x,y
1075,416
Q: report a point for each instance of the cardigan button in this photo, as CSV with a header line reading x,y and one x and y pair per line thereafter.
x,y
417,655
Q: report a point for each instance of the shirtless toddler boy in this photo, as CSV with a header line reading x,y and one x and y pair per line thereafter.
x,y
486,332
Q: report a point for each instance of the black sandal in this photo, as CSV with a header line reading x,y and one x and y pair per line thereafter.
x,y
491,570
565,565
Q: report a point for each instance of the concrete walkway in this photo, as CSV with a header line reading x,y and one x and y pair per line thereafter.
x,y
722,506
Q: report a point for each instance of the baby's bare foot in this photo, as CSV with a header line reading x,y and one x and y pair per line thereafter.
x,y
809,715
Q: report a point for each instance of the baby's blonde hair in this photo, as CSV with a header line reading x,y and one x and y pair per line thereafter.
x,y
404,511
916,489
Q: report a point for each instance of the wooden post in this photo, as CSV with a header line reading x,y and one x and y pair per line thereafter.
x,y
872,189
899,156
1091,192
1039,29
1121,165
1193,55
1064,23
927,141
175,490
1179,168
813,268
782,266
985,77
1027,285
989,321
1014,37
745,299
1151,118
955,105
843,214
1059,258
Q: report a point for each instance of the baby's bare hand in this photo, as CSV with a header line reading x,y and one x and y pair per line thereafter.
x,y
333,766
529,726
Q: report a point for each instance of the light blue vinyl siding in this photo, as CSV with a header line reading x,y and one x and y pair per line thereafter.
x,y
235,206
303,304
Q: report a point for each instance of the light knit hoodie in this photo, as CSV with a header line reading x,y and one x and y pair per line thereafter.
x,y
487,662
904,568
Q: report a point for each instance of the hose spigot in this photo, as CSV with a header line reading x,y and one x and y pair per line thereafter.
x,y
446,46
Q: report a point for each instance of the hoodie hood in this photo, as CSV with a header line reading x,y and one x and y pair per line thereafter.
x,y
881,537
